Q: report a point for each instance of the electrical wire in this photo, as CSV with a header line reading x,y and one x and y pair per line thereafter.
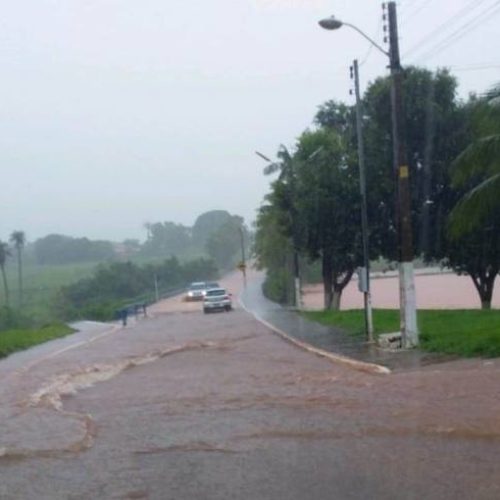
x,y
475,67
470,7
420,8
464,30
370,48
407,6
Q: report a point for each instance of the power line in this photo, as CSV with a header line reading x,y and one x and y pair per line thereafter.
x,y
475,67
370,48
465,29
420,8
470,7
407,6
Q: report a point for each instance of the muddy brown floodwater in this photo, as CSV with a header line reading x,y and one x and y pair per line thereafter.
x,y
434,291
181,405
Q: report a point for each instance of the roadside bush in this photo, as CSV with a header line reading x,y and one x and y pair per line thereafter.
x,y
114,286
278,286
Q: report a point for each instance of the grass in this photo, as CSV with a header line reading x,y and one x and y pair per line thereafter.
x,y
467,333
19,339
40,285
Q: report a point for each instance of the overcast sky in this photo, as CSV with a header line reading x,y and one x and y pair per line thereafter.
x,y
118,112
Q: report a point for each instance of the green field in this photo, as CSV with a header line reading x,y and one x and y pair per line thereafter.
x,y
467,333
40,285
19,339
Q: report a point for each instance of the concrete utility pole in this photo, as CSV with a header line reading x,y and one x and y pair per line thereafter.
x,y
408,306
365,272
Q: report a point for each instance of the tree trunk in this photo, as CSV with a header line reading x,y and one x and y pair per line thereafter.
x,y
484,281
326,264
20,276
5,287
339,283
337,296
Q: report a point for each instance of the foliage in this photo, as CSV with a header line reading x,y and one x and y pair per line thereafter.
x,y
465,333
113,286
329,203
60,249
166,239
18,239
11,318
477,254
313,208
316,204
224,244
273,251
4,255
434,133
477,168
208,223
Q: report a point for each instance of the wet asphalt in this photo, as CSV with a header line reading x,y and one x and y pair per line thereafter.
x,y
181,405
328,338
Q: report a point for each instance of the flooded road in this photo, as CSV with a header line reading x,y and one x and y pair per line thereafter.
x,y
182,405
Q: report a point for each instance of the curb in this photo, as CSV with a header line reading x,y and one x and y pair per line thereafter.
x,y
363,366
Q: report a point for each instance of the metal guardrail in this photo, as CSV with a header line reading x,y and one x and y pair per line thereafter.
x,y
139,304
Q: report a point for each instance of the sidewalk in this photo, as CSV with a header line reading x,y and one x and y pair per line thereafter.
x,y
326,338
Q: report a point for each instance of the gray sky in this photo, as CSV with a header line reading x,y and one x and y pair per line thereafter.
x,y
118,112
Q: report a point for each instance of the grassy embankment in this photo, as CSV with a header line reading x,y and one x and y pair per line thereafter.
x,y
19,339
466,333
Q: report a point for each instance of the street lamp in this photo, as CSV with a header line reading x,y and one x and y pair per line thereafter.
x,y
408,312
332,23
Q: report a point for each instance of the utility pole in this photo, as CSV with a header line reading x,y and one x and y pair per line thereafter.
x,y
408,306
365,272
243,265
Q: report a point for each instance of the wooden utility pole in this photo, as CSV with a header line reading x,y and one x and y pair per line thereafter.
x,y
408,306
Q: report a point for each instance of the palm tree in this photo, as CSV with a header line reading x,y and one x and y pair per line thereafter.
x,y
480,160
4,254
18,238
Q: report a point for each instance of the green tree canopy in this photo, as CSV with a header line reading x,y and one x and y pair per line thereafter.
x,y
477,167
206,224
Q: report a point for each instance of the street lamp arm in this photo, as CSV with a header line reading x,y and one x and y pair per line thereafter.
x,y
363,34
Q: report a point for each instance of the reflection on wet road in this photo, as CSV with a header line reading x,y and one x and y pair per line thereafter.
x,y
186,406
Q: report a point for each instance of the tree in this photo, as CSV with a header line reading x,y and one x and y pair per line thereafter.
x,y
18,238
4,255
224,244
328,202
433,131
206,224
337,116
273,251
60,249
479,164
477,254
166,239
